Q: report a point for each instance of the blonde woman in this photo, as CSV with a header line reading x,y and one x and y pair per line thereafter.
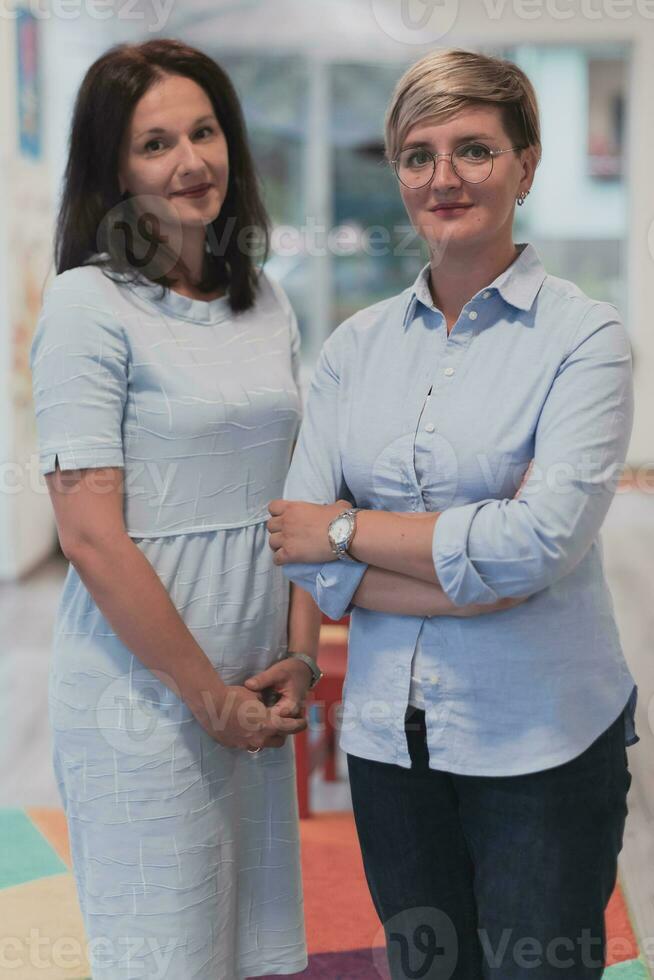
x,y
487,701
165,368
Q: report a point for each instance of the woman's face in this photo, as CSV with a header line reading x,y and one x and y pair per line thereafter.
x,y
190,149
486,214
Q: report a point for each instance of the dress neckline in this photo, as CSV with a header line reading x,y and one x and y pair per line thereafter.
x,y
197,310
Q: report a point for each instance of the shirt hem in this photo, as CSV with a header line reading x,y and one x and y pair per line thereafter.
x,y
549,762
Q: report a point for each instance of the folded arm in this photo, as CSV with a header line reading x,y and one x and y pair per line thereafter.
x,y
501,548
316,478
494,549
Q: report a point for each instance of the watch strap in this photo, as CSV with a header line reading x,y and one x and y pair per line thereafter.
x,y
311,664
340,549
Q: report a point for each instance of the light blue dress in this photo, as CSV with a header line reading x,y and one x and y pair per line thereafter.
x,y
186,853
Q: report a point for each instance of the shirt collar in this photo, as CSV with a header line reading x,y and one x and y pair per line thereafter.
x,y
518,285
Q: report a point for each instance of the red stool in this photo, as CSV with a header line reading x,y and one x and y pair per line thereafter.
x,y
310,753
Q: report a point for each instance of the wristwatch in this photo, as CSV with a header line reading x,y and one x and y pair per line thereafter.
x,y
316,672
341,532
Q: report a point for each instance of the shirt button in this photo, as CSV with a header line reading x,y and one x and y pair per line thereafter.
x,y
434,678
485,294
472,315
448,372
430,427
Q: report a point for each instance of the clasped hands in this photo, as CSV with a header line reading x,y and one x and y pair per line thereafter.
x,y
262,711
271,705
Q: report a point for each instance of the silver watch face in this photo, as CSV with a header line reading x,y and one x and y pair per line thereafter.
x,y
340,530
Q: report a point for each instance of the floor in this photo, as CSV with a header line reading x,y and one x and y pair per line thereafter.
x,y
27,611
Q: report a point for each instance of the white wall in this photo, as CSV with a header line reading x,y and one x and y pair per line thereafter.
x,y
26,529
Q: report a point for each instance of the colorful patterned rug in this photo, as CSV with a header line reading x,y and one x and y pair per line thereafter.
x,y
42,937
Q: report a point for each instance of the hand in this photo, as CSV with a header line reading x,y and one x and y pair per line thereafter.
x,y
298,531
290,679
238,719
524,479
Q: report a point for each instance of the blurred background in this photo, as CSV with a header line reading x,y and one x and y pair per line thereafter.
x,y
314,77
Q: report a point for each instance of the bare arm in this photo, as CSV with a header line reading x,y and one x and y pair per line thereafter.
x,y
88,506
303,623
392,592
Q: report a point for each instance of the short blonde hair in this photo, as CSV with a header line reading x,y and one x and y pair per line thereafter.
x,y
451,79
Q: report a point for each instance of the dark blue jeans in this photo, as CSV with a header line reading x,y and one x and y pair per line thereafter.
x,y
503,877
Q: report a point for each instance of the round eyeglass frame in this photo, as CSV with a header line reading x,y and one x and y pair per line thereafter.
x,y
436,156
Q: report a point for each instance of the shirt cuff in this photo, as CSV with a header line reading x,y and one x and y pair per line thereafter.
x,y
456,573
332,585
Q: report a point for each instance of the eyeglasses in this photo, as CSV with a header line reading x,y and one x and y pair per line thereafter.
x,y
472,162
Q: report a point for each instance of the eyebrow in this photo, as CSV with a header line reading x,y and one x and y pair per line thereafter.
x,y
158,129
460,139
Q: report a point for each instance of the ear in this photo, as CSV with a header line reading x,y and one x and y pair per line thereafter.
x,y
529,159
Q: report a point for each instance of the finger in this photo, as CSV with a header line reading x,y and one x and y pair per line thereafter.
x,y
276,540
274,524
280,557
280,723
288,707
276,507
265,678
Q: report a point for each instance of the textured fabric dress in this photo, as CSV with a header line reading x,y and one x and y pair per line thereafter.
x,y
185,853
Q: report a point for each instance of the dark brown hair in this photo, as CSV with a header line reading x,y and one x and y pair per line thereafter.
x,y
106,99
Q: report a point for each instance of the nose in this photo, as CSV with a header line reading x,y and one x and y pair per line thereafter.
x,y
444,174
190,156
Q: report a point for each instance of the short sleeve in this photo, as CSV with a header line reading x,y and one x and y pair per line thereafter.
x,y
79,365
295,338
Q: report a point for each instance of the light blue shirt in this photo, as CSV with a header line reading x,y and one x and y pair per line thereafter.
x,y
533,368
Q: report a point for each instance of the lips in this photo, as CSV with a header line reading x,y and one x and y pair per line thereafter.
x,y
198,189
450,207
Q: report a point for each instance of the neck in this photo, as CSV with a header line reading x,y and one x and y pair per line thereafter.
x,y
190,249
457,275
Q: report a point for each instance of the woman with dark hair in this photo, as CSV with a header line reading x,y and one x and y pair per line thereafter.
x,y
165,373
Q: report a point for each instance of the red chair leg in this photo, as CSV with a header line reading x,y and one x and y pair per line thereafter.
x,y
330,737
302,772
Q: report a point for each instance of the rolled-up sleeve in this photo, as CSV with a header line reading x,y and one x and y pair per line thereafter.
x,y
316,476
494,549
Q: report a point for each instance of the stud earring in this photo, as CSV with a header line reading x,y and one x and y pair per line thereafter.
x,y
520,200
